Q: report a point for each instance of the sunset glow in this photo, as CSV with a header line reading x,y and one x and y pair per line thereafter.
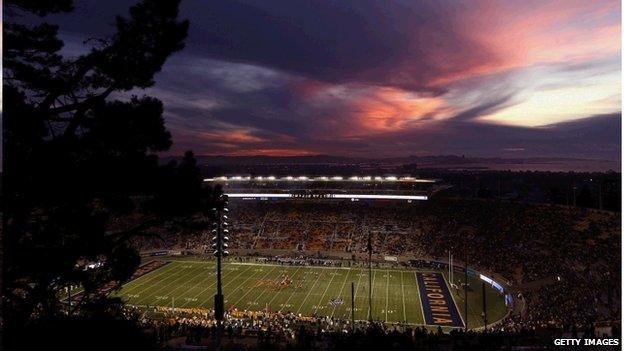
x,y
399,78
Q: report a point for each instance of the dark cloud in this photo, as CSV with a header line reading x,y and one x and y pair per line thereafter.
x,y
405,44
485,107
395,43
353,78
273,115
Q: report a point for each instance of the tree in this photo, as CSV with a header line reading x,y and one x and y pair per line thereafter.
x,y
75,157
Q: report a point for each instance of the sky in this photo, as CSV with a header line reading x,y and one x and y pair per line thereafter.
x,y
387,78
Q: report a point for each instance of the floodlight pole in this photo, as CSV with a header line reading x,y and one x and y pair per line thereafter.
x,y
69,300
370,281
466,293
353,307
219,246
218,298
485,323
219,295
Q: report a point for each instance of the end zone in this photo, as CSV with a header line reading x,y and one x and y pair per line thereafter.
x,y
438,305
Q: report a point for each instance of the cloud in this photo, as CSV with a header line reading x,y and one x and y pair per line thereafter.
x,y
406,45
388,78
287,114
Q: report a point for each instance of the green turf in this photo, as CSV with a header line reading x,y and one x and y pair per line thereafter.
x,y
253,286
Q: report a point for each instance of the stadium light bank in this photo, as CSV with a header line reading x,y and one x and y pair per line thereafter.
x,y
326,196
320,179
305,179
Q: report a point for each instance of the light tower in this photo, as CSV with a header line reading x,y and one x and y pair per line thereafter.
x,y
369,247
220,245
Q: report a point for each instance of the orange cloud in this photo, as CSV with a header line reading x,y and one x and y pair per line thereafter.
x,y
268,152
389,109
524,34
232,137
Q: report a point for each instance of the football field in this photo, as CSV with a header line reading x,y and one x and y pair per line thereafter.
x,y
305,290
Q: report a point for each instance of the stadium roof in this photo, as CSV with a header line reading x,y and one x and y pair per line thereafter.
x,y
352,197
320,179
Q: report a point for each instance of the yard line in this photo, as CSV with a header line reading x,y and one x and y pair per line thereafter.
x,y
206,278
213,284
145,286
370,312
403,296
141,281
454,302
420,300
207,301
165,288
191,270
275,295
324,292
340,293
248,291
291,295
387,290
308,295
265,290
357,286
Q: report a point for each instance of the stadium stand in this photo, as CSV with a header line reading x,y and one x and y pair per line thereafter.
x,y
558,259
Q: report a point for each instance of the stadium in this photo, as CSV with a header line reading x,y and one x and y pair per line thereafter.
x,y
298,246
311,175
398,253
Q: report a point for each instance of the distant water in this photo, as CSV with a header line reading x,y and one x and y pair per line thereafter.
x,y
543,166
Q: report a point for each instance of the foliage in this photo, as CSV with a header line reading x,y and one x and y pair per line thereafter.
x,y
80,152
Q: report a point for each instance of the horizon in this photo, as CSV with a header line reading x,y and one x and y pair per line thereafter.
x,y
425,162
402,157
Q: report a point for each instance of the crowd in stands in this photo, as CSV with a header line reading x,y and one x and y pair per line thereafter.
x,y
260,330
564,262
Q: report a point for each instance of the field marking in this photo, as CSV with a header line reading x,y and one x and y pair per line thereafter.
x,y
340,293
245,281
470,307
151,294
369,314
387,292
140,282
454,302
250,290
275,295
201,292
144,288
289,297
403,296
232,281
325,292
149,276
169,272
241,285
357,287
306,298
198,284
420,299
141,299
257,299
214,283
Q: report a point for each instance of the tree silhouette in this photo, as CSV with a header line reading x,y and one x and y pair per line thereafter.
x,y
75,158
